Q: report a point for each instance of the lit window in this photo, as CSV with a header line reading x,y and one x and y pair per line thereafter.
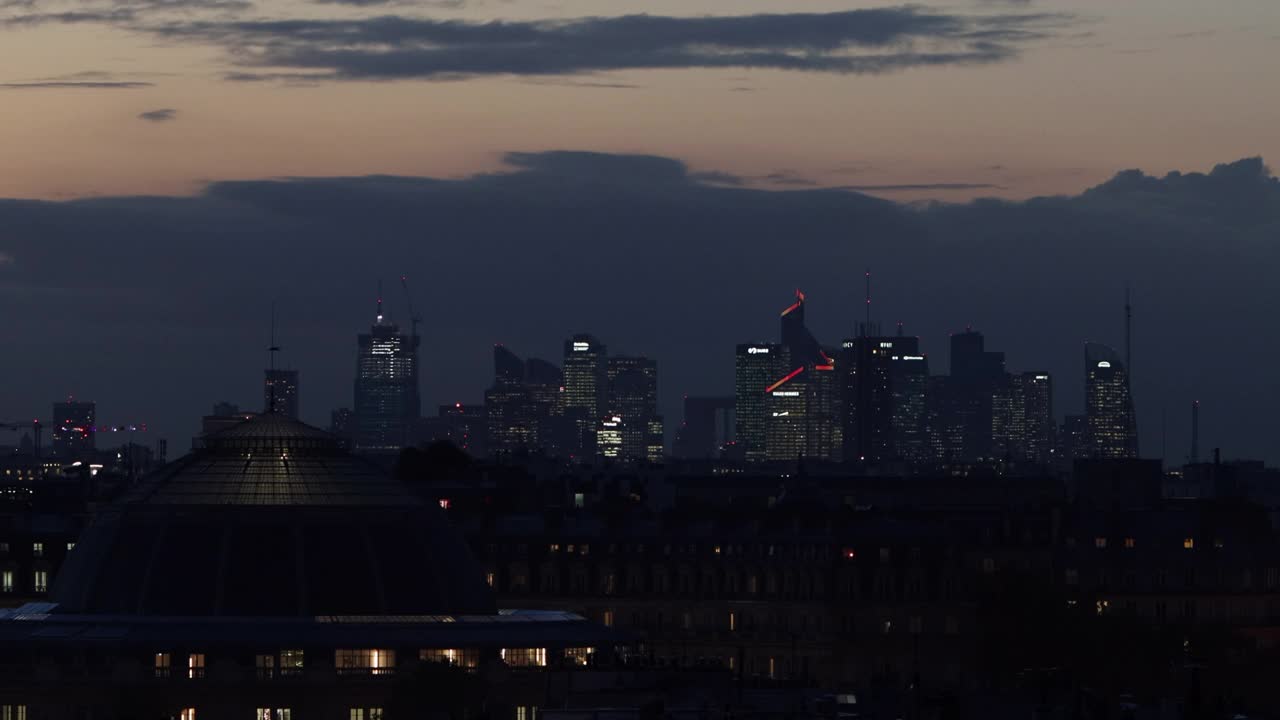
x,y
1218,544
579,655
467,658
1130,543
444,503
290,662
195,666
13,712
1188,543
266,665
187,714
579,500
6,581
773,669
525,657
526,712
887,627
488,578
733,621
37,549
555,547
1100,543
4,547
607,618
373,713
71,546
162,665
1102,606
40,581
365,662
274,714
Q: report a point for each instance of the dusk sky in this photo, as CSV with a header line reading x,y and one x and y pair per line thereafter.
x,y
1004,98
662,174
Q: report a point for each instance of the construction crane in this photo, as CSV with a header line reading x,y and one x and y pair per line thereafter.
x,y
35,426
414,318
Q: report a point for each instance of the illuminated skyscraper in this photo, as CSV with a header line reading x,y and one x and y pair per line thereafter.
x,y
1112,427
280,392
522,407
1040,427
756,367
632,403
74,428
387,400
585,390
787,422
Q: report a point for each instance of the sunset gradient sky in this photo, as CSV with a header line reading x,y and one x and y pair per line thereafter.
x,y
1075,91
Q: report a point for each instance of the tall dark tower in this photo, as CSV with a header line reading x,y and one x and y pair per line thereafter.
x,y
1112,428
387,400
1195,432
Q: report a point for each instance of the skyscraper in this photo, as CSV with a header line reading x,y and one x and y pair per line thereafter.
x,y
1040,427
1112,427
866,397
585,390
756,367
74,428
961,408
521,407
632,399
387,400
280,392
708,425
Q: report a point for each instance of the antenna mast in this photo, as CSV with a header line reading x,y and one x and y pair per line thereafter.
x,y
866,328
272,349
1128,338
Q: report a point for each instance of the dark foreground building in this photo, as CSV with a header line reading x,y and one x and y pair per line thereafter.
x,y
267,574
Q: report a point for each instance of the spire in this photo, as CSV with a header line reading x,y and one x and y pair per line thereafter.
x,y
272,349
379,315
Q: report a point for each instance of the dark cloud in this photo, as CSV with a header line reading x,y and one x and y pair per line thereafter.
x,y
392,47
76,85
652,258
159,115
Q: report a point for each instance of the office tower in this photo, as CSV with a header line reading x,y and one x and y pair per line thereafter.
x,y
510,417
280,393
707,427
756,367
1039,428
961,417
787,418
387,402
1112,427
819,393
909,381
632,402
1022,419
74,429
866,396
803,346
522,407
585,390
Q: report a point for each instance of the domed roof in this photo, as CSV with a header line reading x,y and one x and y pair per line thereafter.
x,y
271,518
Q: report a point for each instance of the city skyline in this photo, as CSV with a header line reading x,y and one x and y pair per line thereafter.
x,y
775,360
